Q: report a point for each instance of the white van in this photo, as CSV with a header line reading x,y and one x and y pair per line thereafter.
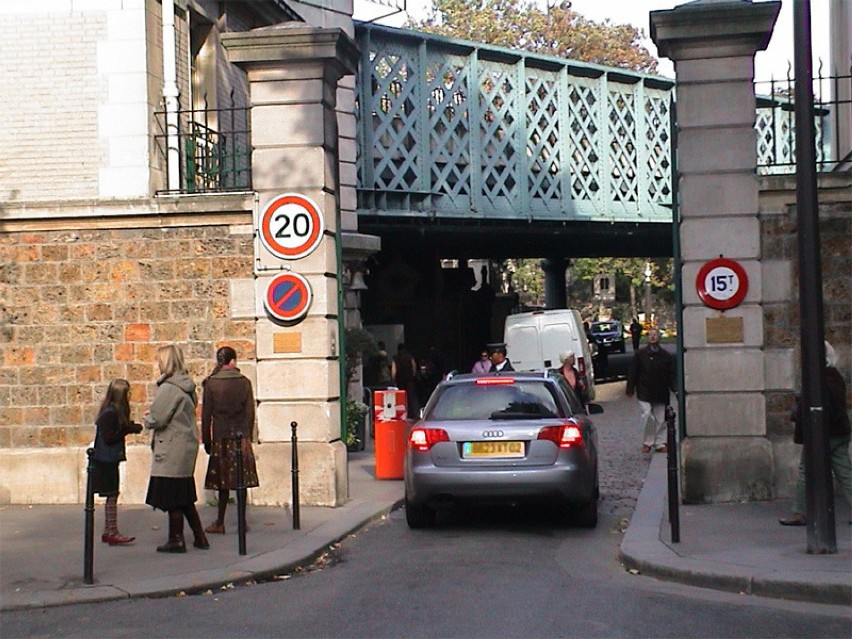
x,y
535,339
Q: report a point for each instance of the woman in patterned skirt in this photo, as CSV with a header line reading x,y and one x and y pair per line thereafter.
x,y
227,409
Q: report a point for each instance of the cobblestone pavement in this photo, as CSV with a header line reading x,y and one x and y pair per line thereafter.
x,y
623,466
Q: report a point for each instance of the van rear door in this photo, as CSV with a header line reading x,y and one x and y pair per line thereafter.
x,y
556,337
523,346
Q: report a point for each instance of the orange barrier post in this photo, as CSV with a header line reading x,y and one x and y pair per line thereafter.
x,y
391,424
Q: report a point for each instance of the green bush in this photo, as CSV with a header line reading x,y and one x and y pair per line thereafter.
x,y
360,346
355,413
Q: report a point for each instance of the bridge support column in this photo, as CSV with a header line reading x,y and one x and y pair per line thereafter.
x,y
726,454
555,295
293,73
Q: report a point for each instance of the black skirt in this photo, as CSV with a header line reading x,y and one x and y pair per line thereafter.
x,y
105,478
171,493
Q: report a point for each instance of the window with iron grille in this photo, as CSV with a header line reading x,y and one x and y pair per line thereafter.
x,y
211,146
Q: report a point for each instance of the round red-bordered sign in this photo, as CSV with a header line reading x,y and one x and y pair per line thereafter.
x,y
291,226
288,297
722,284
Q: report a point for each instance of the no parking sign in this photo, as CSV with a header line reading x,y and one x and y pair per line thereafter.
x,y
288,297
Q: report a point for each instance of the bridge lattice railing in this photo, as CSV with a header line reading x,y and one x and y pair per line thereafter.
x,y
456,129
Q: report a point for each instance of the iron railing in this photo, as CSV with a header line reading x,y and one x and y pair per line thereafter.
x,y
212,147
456,129
776,123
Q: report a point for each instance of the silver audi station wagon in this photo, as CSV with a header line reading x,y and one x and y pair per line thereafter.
x,y
503,437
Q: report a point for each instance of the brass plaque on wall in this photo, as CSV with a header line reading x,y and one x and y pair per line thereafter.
x,y
287,343
724,330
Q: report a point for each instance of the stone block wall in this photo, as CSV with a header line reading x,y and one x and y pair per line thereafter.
x,y
779,248
80,308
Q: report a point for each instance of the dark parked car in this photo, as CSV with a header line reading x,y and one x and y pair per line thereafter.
x,y
608,335
512,437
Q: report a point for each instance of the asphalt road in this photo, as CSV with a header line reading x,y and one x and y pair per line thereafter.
x,y
480,573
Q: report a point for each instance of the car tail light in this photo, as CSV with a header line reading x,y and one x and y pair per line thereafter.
x,y
423,439
568,435
581,366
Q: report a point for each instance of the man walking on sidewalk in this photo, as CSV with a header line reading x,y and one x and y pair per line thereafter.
x,y
651,376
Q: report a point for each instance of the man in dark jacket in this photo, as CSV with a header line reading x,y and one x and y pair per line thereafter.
x,y
839,430
651,376
499,362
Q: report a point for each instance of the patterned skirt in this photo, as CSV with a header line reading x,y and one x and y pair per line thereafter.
x,y
222,468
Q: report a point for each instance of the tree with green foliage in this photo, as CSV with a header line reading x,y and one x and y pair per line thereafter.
x,y
629,281
559,31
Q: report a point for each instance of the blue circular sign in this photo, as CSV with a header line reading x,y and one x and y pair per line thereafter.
x,y
288,297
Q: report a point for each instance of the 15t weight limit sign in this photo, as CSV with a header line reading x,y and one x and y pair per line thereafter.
x,y
722,284
291,226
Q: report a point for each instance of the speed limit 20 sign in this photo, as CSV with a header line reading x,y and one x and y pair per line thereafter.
x,y
291,226
722,284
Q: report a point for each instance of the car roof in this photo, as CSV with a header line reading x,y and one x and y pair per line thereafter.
x,y
463,378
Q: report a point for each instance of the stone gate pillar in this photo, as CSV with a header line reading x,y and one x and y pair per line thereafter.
x,y
293,72
726,455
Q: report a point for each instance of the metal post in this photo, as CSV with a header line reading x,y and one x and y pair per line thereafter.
x,y
671,457
241,496
648,273
818,484
89,534
295,472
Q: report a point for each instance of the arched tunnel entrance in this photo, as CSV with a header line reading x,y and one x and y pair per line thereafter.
x,y
422,289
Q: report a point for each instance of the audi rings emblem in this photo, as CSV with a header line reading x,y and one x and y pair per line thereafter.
x,y
492,433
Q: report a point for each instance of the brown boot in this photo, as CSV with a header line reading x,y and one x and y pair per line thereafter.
x,y
197,529
175,544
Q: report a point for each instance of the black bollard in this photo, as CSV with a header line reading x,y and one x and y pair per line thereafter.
x,y
89,534
241,497
674,498
295,473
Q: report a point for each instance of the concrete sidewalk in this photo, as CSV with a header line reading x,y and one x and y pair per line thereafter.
x,y
41,547
738,547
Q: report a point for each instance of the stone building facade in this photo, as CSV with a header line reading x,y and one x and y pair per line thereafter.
x,y
103,261
740,363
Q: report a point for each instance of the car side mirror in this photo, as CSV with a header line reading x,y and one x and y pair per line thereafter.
x,y
594,409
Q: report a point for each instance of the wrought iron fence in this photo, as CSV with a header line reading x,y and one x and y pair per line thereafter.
x,y
211,146
776,123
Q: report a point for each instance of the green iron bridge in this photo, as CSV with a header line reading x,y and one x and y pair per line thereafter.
x,y
461,144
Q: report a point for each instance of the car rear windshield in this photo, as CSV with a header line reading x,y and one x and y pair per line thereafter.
x,y
521,400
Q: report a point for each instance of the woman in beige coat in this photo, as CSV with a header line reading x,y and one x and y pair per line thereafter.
x,y
174,447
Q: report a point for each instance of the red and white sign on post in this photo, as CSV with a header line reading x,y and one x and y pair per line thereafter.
x,y
291,226
389,405
722,284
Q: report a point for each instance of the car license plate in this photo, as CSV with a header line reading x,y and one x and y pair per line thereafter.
x,y
492,449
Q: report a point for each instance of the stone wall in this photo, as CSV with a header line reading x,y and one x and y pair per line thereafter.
x,y
85,307
779,244
85,303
